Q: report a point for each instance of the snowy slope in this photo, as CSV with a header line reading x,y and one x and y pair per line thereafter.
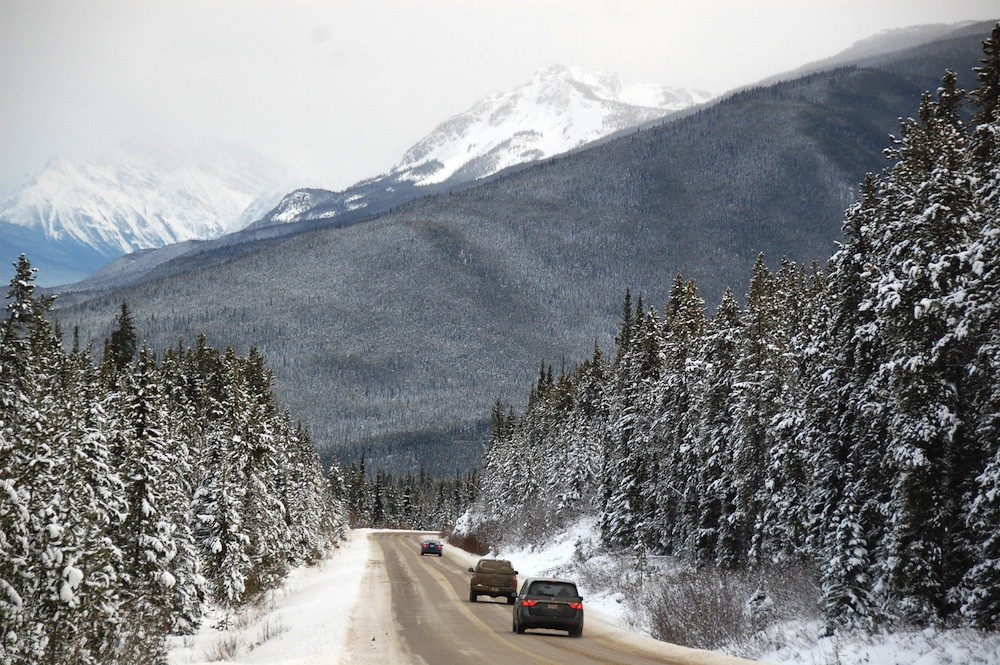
x,y
137,197
559,109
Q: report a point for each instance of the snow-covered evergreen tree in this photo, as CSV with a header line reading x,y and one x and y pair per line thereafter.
x,y
845,427
980,590
717,540
142,451
780,530
675,499
921,251
756,386
627,512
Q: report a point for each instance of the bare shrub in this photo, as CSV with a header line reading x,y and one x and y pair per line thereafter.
x,y
702,609
605,572
267,632
255,615
224,649
711,608
474,542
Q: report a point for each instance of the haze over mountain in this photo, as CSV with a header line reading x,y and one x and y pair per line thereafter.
x,y
559,109
889,42
74,217
399,333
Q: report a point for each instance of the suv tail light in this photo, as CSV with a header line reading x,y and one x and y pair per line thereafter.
x,y
576,606
529,603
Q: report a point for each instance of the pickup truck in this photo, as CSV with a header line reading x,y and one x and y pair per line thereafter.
x,y
495,578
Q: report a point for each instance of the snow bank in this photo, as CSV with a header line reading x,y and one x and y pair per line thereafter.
x,y
307,622
927,647
304,623
802,646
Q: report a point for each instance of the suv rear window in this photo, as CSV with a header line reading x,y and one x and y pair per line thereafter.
x,y
554,589
495,566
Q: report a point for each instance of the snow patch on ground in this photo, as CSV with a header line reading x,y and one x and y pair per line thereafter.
x,y
579,542
927,647
308,621
304,623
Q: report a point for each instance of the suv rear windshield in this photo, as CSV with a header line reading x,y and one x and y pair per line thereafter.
x,y
497,566
554,589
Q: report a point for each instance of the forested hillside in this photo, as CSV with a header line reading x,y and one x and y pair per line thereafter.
x,y
410,501
846,416
398,333
138,492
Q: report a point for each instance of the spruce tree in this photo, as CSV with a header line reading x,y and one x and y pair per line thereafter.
x,y
849,423
930,222
120,349
718,540
980,589
755,382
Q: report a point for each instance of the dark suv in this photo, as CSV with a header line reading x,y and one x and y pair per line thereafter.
x,y
431,546
545,602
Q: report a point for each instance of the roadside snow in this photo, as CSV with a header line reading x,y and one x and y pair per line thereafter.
x,y
801,644
572,544
315,617
927,647
304,623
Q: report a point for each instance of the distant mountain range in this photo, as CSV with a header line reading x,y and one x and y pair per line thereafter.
x,y
134,197
560,109
888,43
73,218
397,334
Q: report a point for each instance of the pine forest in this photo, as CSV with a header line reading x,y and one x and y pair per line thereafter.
x,y
140,491
383,500
846,416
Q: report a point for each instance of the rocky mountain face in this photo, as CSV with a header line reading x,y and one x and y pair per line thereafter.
x,y
558,110
135,197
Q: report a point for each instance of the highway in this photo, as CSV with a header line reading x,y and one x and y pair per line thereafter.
x,y
415,609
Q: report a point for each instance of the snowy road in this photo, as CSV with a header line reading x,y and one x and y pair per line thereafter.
x,y
376,600
414,609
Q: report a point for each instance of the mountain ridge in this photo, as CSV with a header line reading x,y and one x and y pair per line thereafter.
x,y
136,197
397,335
558,110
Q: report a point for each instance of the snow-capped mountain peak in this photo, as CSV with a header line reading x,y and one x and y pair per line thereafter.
x,y
136,196
559,109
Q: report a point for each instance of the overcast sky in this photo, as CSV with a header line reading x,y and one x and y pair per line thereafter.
x,y
339,89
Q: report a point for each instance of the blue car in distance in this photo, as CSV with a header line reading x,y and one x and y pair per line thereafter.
x,y
431,546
